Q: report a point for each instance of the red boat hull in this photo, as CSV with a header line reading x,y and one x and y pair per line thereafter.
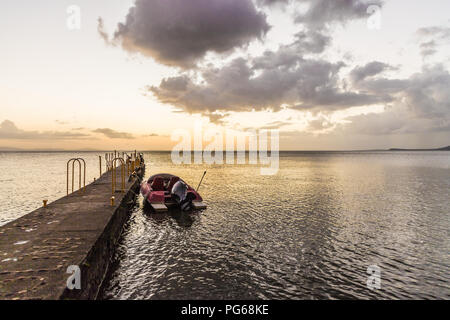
x,y
156,191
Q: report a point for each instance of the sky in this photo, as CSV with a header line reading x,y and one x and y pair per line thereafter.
x,y
122,74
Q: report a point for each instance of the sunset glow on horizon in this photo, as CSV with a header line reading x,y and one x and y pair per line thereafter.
x,y
329,77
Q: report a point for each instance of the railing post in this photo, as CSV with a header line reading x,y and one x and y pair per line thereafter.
x,y
84,175
100,163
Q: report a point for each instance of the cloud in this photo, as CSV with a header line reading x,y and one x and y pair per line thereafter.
x,y
60,122
275,80
286,77
420,103
432,38
394,121
234,87
428,48
151,135
101,31
295,76
427,94
8,130
322,13
435,31
369,70
180,32
310,42
320,125
112,134
272,2
271,125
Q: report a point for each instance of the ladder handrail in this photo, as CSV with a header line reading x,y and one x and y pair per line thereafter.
x,y
114,172
78,160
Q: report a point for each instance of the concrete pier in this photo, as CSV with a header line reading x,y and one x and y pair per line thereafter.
x,y
80,229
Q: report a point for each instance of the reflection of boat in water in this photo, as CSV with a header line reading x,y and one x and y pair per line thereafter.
x,y
181,218
163,191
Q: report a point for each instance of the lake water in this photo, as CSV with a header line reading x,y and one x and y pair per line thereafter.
x,y
308,232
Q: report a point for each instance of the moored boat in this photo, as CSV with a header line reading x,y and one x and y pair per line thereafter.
x,y
163,191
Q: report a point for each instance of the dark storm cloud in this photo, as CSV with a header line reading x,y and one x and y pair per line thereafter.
x,y
8,130
180,32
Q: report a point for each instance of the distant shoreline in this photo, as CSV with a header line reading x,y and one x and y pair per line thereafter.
x,y
436,149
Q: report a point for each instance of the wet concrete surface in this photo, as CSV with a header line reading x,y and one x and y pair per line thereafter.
x,y
80,229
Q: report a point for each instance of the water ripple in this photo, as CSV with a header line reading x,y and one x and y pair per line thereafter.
x,y
309,232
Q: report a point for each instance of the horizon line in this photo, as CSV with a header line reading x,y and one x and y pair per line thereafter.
x,y
287,150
